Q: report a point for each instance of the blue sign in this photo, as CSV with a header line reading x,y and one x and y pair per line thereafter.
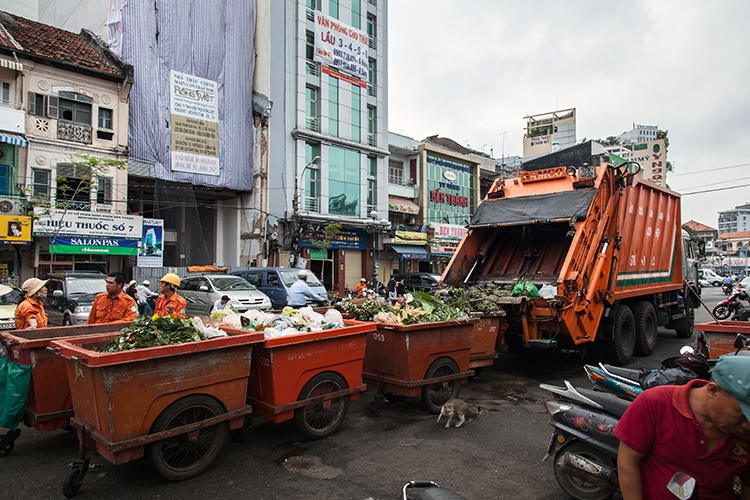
x,y
345,239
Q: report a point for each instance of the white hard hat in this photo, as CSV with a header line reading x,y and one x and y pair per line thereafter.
x,y
146,283
303,273
362,279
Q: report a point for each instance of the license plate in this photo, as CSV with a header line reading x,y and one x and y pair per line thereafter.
x,y
7,326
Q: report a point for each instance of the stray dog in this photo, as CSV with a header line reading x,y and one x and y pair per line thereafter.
x,y
457,407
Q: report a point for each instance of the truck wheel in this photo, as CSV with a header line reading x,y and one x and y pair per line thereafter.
x,y
646,330
322,419
578,488
619,349
684,326
434,396
188,455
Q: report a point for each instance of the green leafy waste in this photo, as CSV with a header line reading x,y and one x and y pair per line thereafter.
x,y
154,331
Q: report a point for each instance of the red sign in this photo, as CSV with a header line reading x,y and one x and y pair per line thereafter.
x,y
438,196
341,76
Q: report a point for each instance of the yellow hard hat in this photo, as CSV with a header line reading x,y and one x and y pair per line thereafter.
x,y
171,278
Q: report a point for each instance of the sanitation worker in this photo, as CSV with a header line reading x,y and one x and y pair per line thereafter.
x,y
361,287
169,302
113,305
30,312
700,428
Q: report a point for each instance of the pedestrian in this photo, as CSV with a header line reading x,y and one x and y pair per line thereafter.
x,y
30,312
169,302
131,290
300,291
361,287
144,293
392,291
114,304
222,303
701,428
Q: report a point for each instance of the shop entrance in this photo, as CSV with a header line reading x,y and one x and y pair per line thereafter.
x,y
321,263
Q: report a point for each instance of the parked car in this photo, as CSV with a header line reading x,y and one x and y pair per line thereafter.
x,y
8,303
710,276
201,292
704,283
70,295
425,282
275,282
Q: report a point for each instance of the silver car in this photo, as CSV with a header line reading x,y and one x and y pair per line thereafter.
x,y
201,292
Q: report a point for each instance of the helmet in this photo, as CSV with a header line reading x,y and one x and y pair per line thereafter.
x,y
146,283
132,282
33,285
171,278
362,279
303,273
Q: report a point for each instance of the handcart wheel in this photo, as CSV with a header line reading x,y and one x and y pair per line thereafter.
x,y
324,418
188,455
435,395
8,442
73,482
373,407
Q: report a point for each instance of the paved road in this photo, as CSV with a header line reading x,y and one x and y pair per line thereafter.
x,y
497,456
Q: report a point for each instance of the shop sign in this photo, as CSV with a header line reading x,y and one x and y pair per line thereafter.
x,y
151,246
439,249
95,246
15,230
345,239
447,231
410,238
89,224
413,256
437,196
341,46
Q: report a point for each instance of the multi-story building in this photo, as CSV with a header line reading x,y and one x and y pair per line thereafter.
x,y
549,132
639,133
72,93
733,221
324,64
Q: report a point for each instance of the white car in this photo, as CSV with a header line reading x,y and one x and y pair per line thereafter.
x,y
200,293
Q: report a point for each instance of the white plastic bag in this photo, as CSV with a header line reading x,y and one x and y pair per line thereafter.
x,y
208,331
548,291
232,320
334,316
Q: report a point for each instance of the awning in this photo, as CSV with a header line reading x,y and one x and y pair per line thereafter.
x,y
402,205
411,252
14,139
17,66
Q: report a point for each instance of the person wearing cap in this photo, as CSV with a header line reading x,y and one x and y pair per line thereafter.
x,y
361,287
130,290
30,312
143,293
700,428
169,302
300,291
114,304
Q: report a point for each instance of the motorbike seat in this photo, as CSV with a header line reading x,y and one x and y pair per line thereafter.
x,y
611,403
439,494
627,373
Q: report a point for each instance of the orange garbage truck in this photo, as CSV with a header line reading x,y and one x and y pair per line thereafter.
x,y
604,248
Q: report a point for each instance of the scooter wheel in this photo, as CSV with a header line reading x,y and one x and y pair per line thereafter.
x,y
722,311
578,488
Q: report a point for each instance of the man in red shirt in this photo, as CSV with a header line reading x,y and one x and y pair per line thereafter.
x,y
169,302
114,304
701,429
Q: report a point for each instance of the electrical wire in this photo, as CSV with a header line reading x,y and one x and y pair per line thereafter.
x,y
709,170
714,190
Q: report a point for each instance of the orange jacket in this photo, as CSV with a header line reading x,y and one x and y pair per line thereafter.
x,y
360,288
30,308
175,300
106,309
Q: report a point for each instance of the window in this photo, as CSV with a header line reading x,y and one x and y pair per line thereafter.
x,y
357,13
40,183
372,184
105,125
356,113
74,111
372,77
104,190
372,31
343,181
333,106
42,105
333,8
254,278
75,187
311,186
5,93
372,166
5,179
311,109
372,127
395,172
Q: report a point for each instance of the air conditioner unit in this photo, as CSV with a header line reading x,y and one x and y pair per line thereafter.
x,y
12,206
104,208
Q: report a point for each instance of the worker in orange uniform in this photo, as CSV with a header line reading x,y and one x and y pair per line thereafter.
x,y
30,313
113,305
169,302
361,287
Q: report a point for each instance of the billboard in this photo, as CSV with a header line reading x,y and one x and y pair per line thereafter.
x,y
54,222
89,246
151,245
15,230
341,47
651,155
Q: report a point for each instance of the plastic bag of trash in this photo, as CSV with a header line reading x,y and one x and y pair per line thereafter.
x,y
548,291
15,379
525,288
232,320
209,332
334,316
312,316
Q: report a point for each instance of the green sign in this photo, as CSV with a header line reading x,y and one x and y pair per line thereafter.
x,y
93,246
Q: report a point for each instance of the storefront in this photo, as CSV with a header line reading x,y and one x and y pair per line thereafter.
x,y
337,259
444,240
408,247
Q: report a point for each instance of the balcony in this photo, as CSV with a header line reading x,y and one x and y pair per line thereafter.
x,y
12,117
310,14
372,90
372,43
73,132
312,204
312,68
372,139
312,123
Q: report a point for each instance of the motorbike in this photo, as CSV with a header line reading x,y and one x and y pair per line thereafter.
x,y
731,304
431,491
629,383
726,288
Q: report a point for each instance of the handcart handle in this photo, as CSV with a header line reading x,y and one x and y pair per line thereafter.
x,y
79,359
55,350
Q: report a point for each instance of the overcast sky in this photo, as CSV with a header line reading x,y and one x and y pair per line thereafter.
x,y
472,69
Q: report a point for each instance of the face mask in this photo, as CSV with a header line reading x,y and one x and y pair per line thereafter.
x,y
41,296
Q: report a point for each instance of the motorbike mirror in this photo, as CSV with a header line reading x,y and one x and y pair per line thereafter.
x,y
682,485
739,341
686,349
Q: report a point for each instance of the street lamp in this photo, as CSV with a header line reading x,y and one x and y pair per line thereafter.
x,y
298,181
374,227
297,226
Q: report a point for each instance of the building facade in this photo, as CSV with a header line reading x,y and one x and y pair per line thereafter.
x,y
323,65
734,221
549,132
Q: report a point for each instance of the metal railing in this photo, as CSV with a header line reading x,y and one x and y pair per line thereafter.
x,y
372,90
312,204
312,68
372,138
67,131
310,14
312,123
372,43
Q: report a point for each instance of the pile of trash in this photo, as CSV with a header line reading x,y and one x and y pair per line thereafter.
x,y
415,307
291,321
